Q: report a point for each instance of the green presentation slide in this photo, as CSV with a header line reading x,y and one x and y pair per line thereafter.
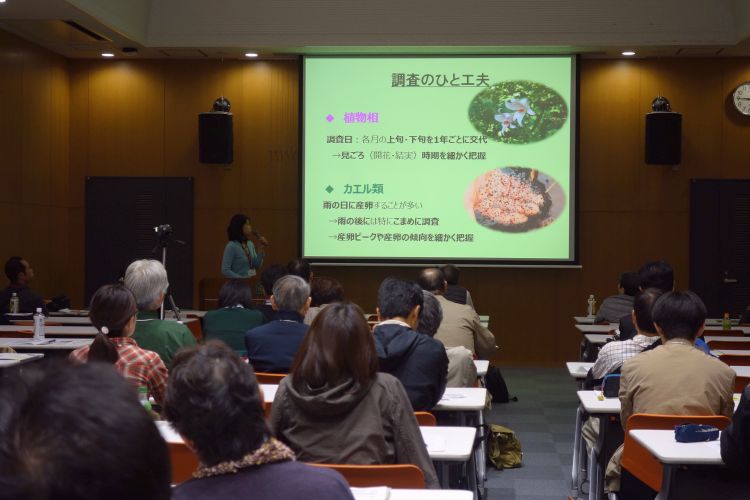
x,y
463,158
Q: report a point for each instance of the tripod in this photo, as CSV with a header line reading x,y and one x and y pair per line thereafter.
x,y
164,234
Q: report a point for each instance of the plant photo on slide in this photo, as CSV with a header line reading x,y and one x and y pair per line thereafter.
x,y
518,112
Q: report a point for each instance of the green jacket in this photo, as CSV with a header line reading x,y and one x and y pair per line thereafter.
x,y
164,337
229,325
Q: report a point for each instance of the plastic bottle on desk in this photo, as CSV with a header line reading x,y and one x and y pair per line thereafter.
x,y
726,322
38,324
591,309
15,303
143,397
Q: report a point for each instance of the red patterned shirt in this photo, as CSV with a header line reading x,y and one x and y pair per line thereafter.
x,y
142,367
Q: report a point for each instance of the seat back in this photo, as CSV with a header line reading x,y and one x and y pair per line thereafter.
x,y
638,461
269,378
729,344
235,339
735,359
740,383
724,333
394,476
184,462
425,418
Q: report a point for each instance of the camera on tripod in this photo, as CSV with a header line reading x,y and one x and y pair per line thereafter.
x,y
163,232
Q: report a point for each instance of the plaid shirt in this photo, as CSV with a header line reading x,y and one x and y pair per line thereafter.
x,y
614,354
142,367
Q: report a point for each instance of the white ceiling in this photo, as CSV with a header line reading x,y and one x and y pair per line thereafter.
x,y
284,28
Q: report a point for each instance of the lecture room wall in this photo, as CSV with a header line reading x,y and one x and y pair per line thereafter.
x,y
93,117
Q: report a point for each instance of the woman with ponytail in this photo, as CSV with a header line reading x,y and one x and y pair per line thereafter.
x,y
112,312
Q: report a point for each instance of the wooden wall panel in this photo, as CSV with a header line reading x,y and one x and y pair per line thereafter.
x,y
140,118
34,90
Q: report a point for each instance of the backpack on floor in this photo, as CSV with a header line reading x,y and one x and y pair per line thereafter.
x,y
503,448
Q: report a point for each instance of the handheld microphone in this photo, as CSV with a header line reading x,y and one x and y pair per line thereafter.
x,y
263,241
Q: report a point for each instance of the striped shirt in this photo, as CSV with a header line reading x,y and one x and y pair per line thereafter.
x,y
142,367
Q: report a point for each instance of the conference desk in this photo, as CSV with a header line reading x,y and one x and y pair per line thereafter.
x,y
597,338
445,445
609,328
584,320
732,352
51,331
8,359
482,366
27,344
403,494
578,369
720,338
662,445
741,371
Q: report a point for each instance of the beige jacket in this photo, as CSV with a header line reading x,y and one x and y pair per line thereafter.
x,y
676,379
461,327
462,372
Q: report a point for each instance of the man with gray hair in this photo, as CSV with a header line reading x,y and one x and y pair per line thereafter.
x,y
271,347
147,279
462,372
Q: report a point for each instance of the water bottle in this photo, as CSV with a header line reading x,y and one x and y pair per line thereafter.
x,y
15,304
591,305
38,324
726,322
143,397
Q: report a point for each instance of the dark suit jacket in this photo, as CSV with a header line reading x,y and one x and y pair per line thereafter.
x,y
271,347
627,328
28,299
735,440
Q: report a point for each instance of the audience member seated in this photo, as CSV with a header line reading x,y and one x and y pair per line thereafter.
x,y
78,432
613,354
461,325
418,361
323,291
654,274
234,316
675,378
462,372
147,279
272,347
213,401
616,306
335,407
455,292
112,312
268,278
20,274
735,439
301,268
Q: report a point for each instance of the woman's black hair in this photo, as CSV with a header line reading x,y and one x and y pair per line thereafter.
x,y
111,307
234,230
236,292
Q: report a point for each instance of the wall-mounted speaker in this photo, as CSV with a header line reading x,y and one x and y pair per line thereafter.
x,y
663,138
216,137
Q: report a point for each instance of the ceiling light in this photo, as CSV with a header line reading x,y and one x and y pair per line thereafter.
x,y
107,54
628,53
251,54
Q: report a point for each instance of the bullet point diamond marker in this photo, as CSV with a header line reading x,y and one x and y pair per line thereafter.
x,y
329,118
329,189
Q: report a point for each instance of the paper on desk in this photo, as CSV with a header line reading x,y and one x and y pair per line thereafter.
x,y
434,443
374,493
447,396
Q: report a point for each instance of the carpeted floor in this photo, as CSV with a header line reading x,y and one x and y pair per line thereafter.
x,y
543,419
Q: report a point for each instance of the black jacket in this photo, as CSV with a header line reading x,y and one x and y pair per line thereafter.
x,y
418,361
28,299
735,440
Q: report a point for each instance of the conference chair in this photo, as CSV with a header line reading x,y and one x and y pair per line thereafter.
x,y
729,345
735,359
724,333
184,462
425,418
269,378
406,476
638,461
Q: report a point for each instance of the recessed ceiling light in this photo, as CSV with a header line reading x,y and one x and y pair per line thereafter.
x,y
107,54
251,54
628,53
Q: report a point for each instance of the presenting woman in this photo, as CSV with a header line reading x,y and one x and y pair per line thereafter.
x,y
240,257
